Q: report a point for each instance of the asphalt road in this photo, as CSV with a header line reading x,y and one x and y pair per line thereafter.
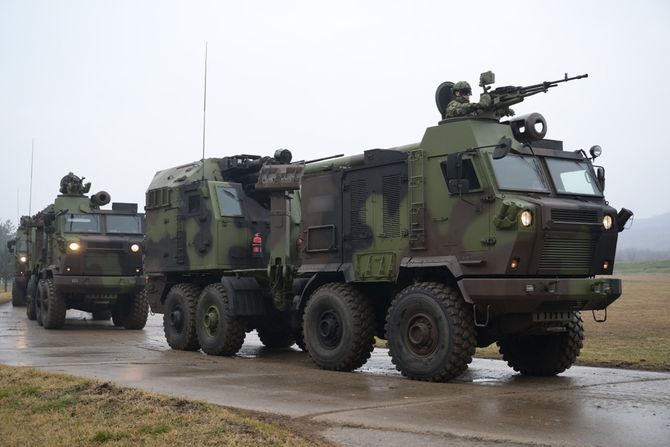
x,y
489,405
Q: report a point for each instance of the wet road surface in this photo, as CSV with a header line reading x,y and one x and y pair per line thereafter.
x,y
487,406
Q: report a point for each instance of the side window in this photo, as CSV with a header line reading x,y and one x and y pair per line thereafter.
x,y
229,203
470,174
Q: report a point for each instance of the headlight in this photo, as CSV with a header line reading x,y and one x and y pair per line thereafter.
x,y
526,218
23,259
74,246
607,221
134,248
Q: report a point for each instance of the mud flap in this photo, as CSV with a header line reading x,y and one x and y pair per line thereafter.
x,y
247,298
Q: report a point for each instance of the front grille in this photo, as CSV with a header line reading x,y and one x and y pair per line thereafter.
x,y
102,264
567,256
105,245
574,216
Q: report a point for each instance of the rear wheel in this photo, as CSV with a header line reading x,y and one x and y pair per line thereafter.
x,y
179,317
544,355
31,294
18,294
219,332
339,327
430,332
132,311
53,306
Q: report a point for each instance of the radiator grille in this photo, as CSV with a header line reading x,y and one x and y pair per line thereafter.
x,y
580,216
102,264
571,256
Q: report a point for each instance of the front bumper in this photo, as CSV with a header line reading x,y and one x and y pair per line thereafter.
x,y
528,295
99,284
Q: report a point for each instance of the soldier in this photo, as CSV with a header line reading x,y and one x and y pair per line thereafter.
x,y
460,101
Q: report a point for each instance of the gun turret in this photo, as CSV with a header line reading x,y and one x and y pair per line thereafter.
x,y
496,103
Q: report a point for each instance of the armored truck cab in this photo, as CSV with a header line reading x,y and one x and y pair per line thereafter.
x,y
205,222
21,264
90,259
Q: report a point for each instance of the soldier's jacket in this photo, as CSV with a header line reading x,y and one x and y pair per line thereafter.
x,y
460,106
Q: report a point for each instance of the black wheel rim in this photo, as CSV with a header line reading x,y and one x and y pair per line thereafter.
x,y
329,329
420,334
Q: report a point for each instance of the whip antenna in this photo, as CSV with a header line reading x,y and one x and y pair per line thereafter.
x,y
204,115
30,196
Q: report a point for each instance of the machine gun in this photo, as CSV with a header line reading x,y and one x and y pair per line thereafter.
x,y
496,103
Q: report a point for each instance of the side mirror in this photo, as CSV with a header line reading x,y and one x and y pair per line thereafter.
x,y
503,148
452,170
600,175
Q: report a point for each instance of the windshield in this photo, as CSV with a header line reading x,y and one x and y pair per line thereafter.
x,y
124,224
82,223
21,245
573,177
229,204
519,173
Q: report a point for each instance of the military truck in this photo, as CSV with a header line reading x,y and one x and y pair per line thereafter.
x,y
483,232
86,258
21,264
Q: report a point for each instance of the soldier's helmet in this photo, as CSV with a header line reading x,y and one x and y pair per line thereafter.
x,y
463,87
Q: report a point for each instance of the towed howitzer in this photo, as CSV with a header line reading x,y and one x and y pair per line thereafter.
x,y
496,102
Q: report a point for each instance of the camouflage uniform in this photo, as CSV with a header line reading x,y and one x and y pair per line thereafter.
x,y
460,106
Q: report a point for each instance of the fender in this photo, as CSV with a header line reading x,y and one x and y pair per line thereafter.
x,y
247,297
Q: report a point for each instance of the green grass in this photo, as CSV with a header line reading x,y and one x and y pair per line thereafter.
x,y
621,268
38,408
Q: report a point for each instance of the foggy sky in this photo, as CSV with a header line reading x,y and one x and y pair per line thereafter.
x,y
113,90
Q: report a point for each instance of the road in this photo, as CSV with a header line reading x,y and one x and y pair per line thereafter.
x,y
487,406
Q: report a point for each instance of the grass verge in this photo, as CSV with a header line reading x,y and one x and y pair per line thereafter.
x,y
38,408
636,334
5,297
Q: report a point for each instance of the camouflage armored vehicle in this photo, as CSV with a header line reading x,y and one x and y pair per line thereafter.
x,y
86,258
22,261
483,232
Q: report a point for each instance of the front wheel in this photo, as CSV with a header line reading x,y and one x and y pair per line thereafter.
x,y
53,306
430,332
18,294
544,355
339,327
179,317
31,301
132,311
219,332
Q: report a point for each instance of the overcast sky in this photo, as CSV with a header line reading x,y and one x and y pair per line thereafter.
x,y
112,90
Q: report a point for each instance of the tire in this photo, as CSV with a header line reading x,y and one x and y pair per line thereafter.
x,y
31,294
53,306
132,311
116,317
101,315
339,327
544,355
39,293
18,294
276,337
219,332
430,332
179,317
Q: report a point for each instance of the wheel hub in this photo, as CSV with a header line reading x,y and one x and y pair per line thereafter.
x,y
211,320
330,329
421,335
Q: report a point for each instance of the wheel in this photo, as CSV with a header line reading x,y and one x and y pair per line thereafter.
x,y
31,294
179,317
53,306
276,337
18,293
101,315
219,332
132,311
339,327
39,293
116,316
430,332
544,355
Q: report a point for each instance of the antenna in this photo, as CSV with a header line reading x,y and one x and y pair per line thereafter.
x,y
18,213
30,197
204,116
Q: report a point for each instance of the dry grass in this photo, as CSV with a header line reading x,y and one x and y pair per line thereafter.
x,y
5,296
637,332
38,408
